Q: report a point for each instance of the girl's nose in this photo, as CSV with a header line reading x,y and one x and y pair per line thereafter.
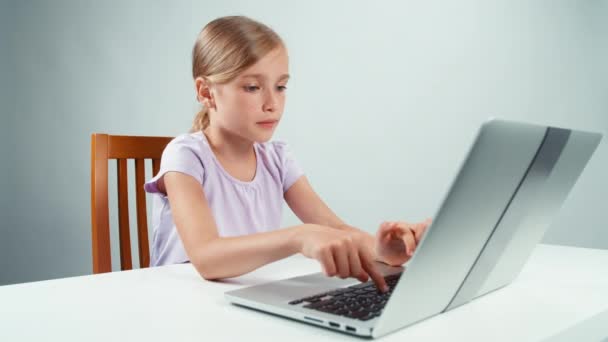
x,y
270,102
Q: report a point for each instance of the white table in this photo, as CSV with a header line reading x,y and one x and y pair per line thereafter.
x,y
562,294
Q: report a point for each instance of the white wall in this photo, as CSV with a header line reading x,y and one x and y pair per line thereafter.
x,y
384,100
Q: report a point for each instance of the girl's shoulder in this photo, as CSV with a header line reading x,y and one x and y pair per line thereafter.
x,y
185,154
195,137
187,146
194,141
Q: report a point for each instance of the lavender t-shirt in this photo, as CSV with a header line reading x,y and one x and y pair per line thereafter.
x,y
238,207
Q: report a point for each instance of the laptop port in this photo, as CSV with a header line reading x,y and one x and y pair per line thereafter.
x,y
349,328
313,319
334,324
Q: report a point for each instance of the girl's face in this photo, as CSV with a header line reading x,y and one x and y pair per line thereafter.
x,y
251,105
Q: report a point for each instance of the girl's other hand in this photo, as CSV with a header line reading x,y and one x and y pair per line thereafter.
x,y
397,241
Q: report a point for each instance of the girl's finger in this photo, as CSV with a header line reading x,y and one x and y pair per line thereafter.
x,y
385,233
341,259
418,231
356,270
369,266
398,232
327,261
424,226
384,227
407,228
410,241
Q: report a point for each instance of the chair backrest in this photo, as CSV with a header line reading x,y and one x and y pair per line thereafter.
x,y
103,148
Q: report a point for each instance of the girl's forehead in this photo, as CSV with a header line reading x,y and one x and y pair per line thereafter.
x,y
274,64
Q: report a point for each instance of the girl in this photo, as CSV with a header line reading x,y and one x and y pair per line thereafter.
x,y
220,188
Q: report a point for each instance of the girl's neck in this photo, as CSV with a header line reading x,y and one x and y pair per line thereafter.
x,y
229,146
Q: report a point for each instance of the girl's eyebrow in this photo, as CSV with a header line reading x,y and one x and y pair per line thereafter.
x,y
283,77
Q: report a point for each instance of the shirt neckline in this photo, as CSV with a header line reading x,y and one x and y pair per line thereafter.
x,y
258,163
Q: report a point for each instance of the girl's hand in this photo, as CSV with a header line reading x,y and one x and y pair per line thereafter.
x,y
397,241
340,253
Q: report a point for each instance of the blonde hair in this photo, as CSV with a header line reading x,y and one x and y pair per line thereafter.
x,y
224,48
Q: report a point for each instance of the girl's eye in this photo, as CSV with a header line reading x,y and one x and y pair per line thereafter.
x,y
251,88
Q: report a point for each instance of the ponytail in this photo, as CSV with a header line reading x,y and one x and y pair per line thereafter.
x,y
201,120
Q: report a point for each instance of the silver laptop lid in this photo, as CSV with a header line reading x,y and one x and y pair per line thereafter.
x,y
509,186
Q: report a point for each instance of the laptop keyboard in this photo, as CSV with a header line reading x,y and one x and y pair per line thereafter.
x,y
362,301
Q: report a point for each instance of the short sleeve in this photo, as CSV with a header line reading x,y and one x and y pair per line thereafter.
x,y
182,154
290,168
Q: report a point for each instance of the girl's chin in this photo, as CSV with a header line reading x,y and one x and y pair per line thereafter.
x,y
263,135
263,138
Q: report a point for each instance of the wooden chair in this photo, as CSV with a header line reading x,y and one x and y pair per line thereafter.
x,y
103,148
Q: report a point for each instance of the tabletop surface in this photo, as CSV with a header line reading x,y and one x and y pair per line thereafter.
x,y
560,293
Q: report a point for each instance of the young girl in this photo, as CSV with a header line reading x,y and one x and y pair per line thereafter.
x,y
220,188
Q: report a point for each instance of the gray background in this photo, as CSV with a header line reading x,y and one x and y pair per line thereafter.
x,y
385,99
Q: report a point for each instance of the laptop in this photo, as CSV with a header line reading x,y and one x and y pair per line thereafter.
x,y
510,185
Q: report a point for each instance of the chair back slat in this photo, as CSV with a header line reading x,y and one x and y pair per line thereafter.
x,y
142,221
123,216
155,166
121,148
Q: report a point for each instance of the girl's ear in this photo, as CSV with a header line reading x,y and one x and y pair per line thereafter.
x,y
203,92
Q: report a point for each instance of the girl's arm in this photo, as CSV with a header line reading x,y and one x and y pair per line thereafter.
x,y
217,257
212,256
